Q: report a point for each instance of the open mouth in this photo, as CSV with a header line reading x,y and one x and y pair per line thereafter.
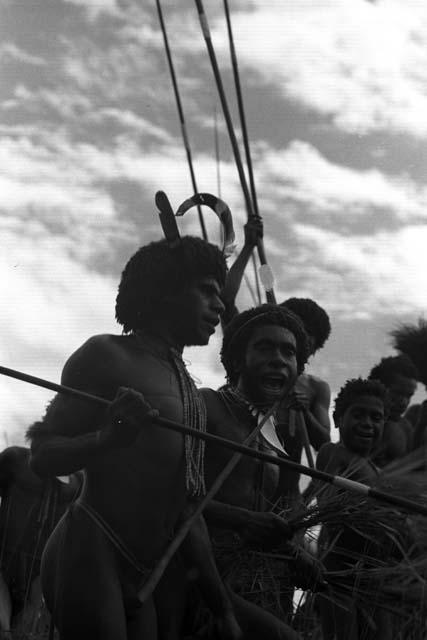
x,y
366,436
273,384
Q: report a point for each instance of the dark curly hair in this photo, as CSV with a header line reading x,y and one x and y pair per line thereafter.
x,y
411,339
389,367
156,271
314,318
355,388
238,332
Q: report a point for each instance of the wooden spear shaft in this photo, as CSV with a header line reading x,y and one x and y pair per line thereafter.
x,y
184,133
185,527
343,483
232,136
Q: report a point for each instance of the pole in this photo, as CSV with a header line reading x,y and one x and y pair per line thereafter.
x,y
181,116
249,207
343,483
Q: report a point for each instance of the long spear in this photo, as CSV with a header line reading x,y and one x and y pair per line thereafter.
x,y
243,125
341,482
241,109
185,137
265,272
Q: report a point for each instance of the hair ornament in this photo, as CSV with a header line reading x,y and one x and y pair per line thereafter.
x,y
222,211
167,219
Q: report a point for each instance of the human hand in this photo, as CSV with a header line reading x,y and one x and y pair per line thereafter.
x,y
126,415
299,400
265,529
253,231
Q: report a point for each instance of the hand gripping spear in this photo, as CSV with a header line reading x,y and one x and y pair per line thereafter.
x,y
338,481
345,483
266,275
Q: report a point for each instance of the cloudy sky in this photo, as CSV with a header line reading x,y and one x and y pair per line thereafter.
x,y
336,100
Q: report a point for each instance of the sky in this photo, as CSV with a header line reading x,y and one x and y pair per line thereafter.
x,y
335,94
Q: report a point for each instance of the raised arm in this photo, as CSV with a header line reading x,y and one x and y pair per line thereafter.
x,y
253,233
316,412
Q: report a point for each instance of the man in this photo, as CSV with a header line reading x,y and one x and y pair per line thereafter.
x,y
264,349
361,407
30,508
304,417
399,375
139,478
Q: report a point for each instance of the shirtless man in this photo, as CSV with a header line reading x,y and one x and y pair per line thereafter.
x,y
264,349
310,398
30,508
311,395
361,407
140,478
399,375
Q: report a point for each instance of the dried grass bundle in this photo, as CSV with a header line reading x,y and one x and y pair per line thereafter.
x,y
391,571
258,577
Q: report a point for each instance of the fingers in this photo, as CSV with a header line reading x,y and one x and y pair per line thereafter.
x,y
129,403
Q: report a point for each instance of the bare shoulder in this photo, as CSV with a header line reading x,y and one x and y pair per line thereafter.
x,y
316,384
91,368
13,457
209,395
97,353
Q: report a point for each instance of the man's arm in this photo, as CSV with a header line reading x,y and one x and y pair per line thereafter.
x,y
264,528
316,412
75,432
253,233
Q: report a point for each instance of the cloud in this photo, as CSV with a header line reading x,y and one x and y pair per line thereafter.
x,y
9,50
51,178
370,275
96,8
50,305
300,173
362,65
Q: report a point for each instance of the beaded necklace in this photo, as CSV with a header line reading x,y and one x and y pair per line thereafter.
x,y
257,410
194,417
194,411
